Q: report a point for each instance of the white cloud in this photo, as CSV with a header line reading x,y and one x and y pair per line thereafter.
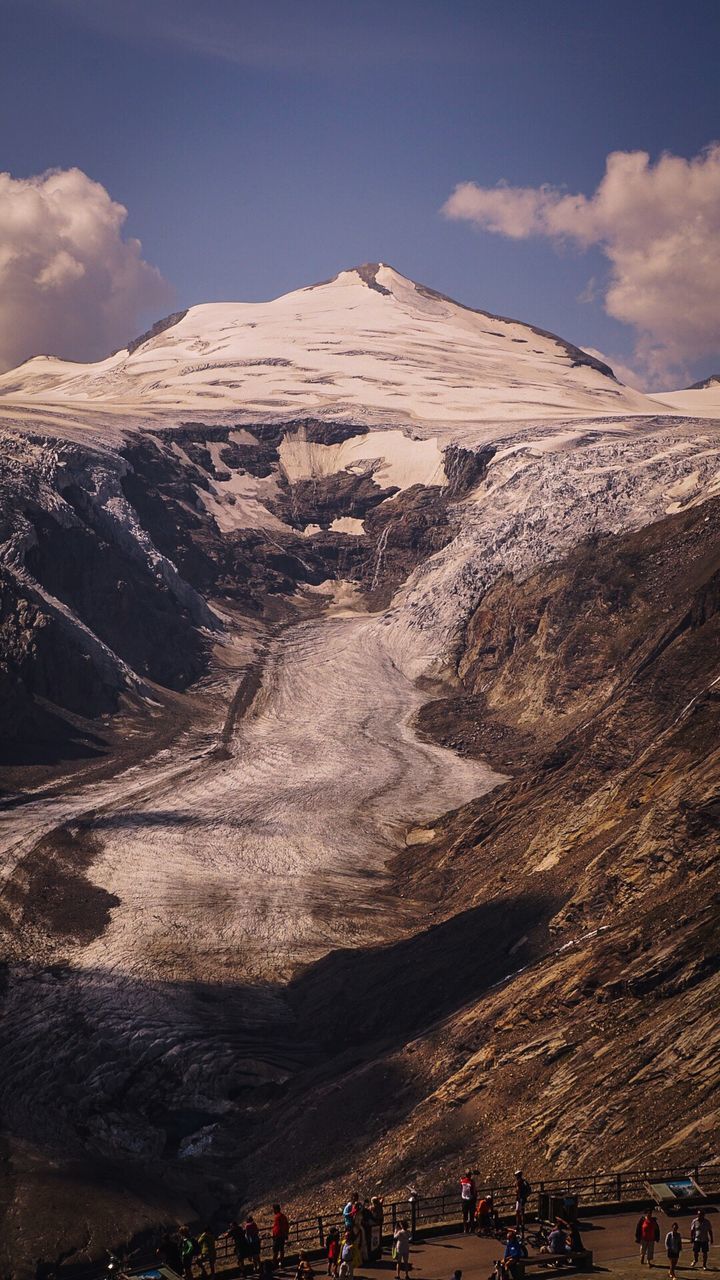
x,y
659,227
70,284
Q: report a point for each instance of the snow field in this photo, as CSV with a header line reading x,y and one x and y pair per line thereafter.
x,y
386,351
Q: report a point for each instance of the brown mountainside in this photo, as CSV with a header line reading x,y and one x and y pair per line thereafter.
x,y
561,1008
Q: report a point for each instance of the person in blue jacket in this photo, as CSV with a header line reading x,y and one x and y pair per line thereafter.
x,y
513,1253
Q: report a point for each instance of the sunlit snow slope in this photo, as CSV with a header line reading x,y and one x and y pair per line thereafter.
x,y
700,401
370,344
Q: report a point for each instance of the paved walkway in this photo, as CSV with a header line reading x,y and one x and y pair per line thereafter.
x,y
611,1238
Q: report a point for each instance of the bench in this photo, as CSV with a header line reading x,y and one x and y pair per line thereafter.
x,y
581,1261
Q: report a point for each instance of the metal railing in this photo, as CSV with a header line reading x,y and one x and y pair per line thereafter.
x,y
421,1211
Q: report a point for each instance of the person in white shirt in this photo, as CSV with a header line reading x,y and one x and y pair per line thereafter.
x,y
673,1245
402,1250
701,1235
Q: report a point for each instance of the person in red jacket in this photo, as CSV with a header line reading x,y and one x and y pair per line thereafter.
x,y
280,1233
647,1236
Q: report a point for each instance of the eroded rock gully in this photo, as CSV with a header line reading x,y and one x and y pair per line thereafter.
x,y
258,961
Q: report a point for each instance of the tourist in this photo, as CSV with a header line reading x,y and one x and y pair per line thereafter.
x,y
364,1219
304,1269
358,1239
557,1240
522,1195
169,1251
351,1210
332,1246
280,1233
571,1232
239,1241
673,1245
468,1201
188,1249
348,1254
374,1228
402,1249
483,1217
647,1236
457,1275
495,1219
208,1253
252,1235
701,1237
512,1255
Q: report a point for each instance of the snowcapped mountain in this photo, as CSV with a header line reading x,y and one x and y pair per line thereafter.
x,y
347,637
369,344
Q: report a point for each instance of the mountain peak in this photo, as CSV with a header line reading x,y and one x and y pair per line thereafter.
x,y
369,344
369,272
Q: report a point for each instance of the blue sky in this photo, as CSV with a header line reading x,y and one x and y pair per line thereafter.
x,y
262,146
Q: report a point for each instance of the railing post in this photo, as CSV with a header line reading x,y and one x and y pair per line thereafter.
x,y
618,1187
394,1215
321,1232
413,1215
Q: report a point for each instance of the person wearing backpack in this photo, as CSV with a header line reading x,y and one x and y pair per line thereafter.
x,y
188,1250
468,1201
523,1191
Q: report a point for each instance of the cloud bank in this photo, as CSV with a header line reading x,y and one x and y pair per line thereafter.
x,y
659,227
70,284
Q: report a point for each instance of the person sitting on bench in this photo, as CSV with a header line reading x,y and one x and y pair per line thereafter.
x,y
558,1240
512,1255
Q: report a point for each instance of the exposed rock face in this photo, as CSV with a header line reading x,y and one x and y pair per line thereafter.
x,y
43,674
107,552
570,917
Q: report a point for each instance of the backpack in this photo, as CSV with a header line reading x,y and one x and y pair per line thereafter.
x,y
525,1189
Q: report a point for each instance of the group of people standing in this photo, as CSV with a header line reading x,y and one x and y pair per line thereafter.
x,y
647,1235
361,1239
480,1214
185,1252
